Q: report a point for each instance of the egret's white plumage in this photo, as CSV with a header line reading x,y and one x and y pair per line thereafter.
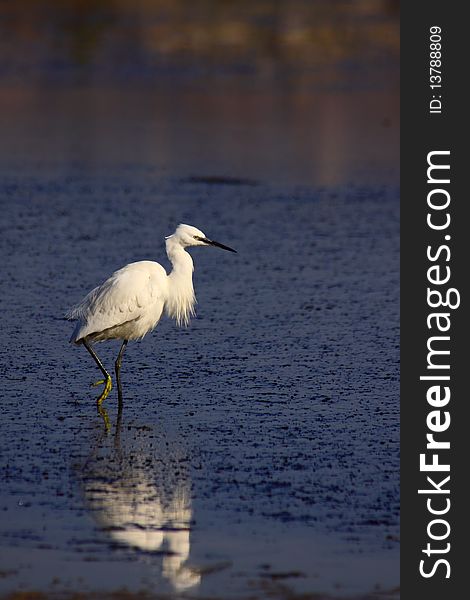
x,y
126,306
131,302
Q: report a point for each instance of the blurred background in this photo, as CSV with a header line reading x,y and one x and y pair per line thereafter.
x,y
302,91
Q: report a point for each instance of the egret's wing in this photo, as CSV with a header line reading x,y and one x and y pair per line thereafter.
x,y
124,297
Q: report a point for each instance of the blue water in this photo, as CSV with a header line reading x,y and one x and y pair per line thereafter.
x,y
257,447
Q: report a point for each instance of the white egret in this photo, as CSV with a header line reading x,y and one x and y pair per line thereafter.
x,y
131,302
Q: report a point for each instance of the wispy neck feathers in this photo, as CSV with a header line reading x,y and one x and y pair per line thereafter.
x,y
181,299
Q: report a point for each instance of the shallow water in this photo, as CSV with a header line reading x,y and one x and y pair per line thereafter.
x,y
258,449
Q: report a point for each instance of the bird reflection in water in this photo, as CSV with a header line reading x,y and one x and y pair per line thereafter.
x,y
138,490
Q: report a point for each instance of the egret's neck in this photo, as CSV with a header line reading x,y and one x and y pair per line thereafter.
x,y
179,258
181,298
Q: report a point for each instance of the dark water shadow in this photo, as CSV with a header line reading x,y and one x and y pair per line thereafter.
x,y
219,180
137,487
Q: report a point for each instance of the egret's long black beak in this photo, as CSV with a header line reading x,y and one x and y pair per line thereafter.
x,y
217,244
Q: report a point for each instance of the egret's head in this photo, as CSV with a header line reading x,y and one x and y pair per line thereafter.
x,y
187,235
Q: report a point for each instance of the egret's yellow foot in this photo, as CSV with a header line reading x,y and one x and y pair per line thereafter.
x,y
108,386
104,415
97,383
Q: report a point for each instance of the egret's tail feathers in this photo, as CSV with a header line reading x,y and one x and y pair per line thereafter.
x,y
74,338
80,312
181,309
71,314
76,313
83,308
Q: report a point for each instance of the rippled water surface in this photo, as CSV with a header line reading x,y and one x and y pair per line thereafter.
x,y
259,445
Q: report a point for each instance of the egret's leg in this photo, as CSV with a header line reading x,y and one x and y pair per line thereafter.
x,y
104,415
117,368
107,377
